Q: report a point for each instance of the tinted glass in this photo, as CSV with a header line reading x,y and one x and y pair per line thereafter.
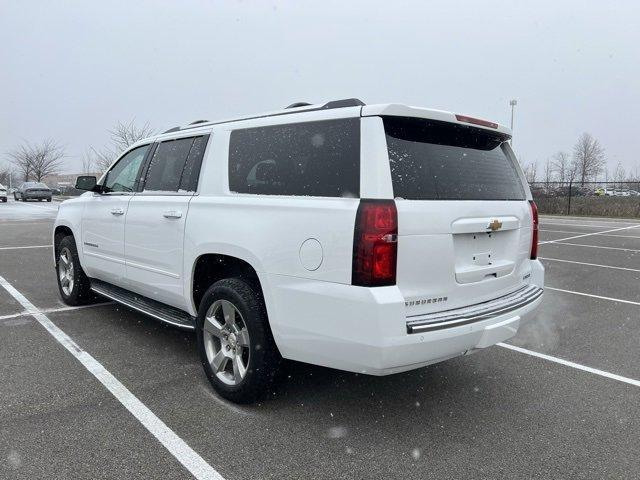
x,y
314,158
442,161
165,168
191,172
122,177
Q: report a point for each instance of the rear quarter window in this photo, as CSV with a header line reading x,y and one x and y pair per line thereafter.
x,y
432,160
312,159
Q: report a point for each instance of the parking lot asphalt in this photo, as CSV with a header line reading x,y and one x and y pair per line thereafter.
x,y
498,413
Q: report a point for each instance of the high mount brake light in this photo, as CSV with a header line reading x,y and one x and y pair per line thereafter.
x,y
534,240
375,244
476,121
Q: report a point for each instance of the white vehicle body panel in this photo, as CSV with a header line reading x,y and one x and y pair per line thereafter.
x,y
154,238
301,248
102,234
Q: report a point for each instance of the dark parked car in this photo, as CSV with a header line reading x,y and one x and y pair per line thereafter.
x,y
32,191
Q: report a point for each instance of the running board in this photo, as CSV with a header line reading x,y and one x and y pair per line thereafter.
x,y
157,310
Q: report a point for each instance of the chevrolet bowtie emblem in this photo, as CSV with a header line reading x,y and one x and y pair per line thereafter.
x,y
495,225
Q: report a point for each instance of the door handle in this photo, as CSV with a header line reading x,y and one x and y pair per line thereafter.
x,y
117,211
172,214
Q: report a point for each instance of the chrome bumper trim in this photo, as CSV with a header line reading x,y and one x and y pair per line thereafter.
x,y
475,313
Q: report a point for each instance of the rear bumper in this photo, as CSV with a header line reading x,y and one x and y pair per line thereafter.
x,y
365,330
36,196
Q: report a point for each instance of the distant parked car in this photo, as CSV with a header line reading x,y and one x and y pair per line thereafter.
x,y
3,193
32,191
56,191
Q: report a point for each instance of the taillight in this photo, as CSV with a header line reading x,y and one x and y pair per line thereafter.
x,y
534,241
375,244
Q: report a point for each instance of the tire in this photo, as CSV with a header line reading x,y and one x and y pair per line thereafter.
x,y
260,358
80,292
48,199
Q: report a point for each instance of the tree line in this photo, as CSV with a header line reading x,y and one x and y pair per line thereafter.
x,y
36,161
586,163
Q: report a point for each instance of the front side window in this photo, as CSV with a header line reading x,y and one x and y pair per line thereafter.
x,y
122,177
312,159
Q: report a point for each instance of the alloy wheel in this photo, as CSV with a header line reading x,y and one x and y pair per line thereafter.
x,y
65,271
226,341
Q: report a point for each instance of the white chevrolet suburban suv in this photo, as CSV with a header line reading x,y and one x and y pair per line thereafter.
x,y
369,238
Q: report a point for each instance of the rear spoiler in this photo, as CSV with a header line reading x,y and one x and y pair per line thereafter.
x,y
397,110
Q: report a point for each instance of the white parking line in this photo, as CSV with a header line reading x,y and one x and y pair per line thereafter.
x,y
193,462
599,297
588,226
29,246
591,220
54,310
590,234
597,246
589,264
600,234
584,368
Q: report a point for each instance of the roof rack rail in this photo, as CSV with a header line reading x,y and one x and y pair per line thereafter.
x,y
298,104
347,102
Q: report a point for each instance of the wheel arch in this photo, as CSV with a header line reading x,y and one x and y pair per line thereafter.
x,y
208,268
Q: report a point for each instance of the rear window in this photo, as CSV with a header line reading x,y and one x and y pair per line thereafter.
x,y
433,160
312,158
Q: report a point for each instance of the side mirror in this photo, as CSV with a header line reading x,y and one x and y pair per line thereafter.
x,y
86,182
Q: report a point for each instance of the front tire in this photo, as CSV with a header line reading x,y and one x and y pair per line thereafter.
x,y
235,344
73,284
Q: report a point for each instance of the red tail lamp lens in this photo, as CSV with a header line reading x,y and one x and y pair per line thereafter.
x,y
534,241
375,244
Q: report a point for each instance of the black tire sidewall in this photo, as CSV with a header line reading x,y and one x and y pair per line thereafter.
x,y
263,362
80,290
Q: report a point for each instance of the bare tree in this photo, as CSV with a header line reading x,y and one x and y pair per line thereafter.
x,y
38,160
561,164
548,172
531,172
88,162
619,173
588,157
5,174
122,136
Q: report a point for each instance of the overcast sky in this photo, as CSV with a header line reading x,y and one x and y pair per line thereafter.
x,y
71,70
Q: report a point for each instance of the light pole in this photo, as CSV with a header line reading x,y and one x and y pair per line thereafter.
x,y
513,103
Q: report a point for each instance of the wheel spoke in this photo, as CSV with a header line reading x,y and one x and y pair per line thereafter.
x,y
243,337
65,281
229,312
239,370
219,362
212,326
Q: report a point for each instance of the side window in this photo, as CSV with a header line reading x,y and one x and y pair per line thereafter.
x,y
312,158
176,165
191,172
122,177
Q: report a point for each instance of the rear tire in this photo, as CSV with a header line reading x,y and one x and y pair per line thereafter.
x,y
48,199
236,349
73,284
